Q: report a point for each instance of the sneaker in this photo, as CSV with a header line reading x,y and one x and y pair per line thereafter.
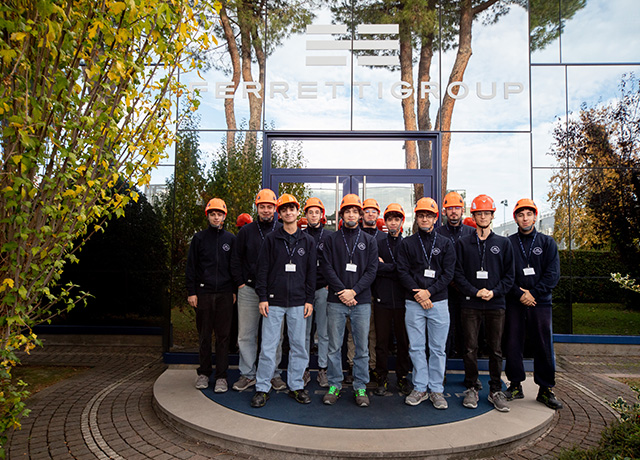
x,y
277,383
301,396
546,397
323,380
381,389
202,381
416,397
404,386
306,377
514,392
438,401
470,400
331,396
259,399
478,385
348,379
221,386
362,399
499,401
243,383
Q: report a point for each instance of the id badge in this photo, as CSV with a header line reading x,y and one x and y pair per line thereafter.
x,y
428,273
290,267
352,268
318,263
482,275
529,271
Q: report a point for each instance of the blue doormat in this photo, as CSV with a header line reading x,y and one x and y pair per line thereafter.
x,y
385,412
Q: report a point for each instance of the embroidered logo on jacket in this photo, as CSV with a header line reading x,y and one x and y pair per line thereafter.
x,y
362,246
226,247
301,252
436,251
495,249
537,250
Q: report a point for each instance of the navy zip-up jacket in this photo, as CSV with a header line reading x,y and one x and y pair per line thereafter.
x,y
455,233
319,234
244,259
209,262
498,262
412,263
335,259
276,285
387,289
543,258
374,232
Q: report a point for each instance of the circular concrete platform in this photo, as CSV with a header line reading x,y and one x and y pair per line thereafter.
x,y
191,412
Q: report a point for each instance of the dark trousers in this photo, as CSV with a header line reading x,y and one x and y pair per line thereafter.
x,y
471,320
454,338
534,323
213,315
390,321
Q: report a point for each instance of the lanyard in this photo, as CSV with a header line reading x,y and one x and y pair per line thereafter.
x,y
320,238
390,251
484,248
527,257
424,251
290,253
350,253
452,233
260,229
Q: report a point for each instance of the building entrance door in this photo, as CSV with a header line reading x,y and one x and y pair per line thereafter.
x,y
371,165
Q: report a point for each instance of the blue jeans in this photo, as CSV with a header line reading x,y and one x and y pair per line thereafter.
x,y
320,315
271,334
248,323
337,314
436,322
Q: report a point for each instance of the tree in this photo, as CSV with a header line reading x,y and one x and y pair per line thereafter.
x,y
86,101
596,193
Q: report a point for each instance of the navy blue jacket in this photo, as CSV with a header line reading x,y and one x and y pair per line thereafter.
x,y
244,259
387,289
319,234
209,262
374,232
455,233
276,285
544,259
412,264
498,262
335,258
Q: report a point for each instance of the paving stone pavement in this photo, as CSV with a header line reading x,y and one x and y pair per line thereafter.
x,y
106,412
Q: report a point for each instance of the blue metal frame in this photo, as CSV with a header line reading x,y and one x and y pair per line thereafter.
x,y
430,177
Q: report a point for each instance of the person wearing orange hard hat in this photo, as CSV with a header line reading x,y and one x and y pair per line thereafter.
x,y
243,219
426,263
314,212
211,292
349,264
244,265
389,306
285,284
484,275
537,271
453,228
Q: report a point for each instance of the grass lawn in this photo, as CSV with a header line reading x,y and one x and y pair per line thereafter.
x,y
605,319
40,377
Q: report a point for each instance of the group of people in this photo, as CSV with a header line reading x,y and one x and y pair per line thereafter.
x,y
412,293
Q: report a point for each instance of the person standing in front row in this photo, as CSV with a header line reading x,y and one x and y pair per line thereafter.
x,y
211,292
349,264
484,274
285,284
426,264
537,265
243,266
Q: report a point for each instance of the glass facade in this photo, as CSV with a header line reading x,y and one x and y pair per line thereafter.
x,y
504,86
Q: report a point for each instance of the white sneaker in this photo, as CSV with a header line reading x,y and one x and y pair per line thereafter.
x,y
221,386
438,401
202,382
416,397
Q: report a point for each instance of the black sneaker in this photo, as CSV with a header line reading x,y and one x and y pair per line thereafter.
x,y
404,386
514,392
259,399
300,396
546,397
381,389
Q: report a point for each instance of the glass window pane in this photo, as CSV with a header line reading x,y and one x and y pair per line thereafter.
x,y
545,30
548,98
403,194
594,84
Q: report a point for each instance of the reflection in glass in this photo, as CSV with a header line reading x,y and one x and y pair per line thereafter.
x,y
548,97
385,194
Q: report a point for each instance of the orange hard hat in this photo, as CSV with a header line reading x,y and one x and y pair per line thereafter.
x,y
351,200
215,204
394,207
380,224
287,198
266,196
525,203
314,202
469,222
483,203
243,219
303,222
426,204
371,203
452,199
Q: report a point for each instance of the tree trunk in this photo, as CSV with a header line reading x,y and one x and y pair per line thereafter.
x,y
424,103
245,20
229,108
